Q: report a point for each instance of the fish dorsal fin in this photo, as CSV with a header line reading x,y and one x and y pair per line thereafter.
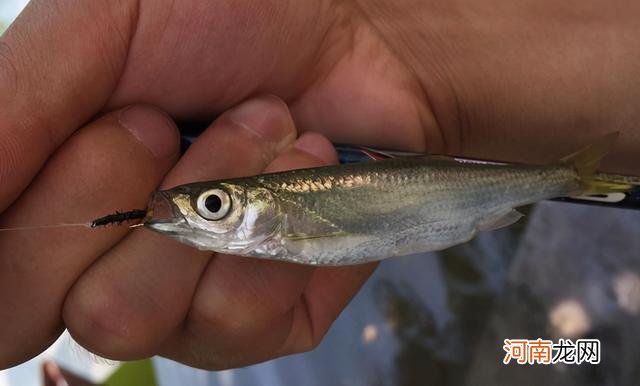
x,y
586,160
499,220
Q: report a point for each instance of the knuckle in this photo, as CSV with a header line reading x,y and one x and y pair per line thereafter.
x,y
226,321
304,342
304,334
220,339
236,303
307,344
311,343
95,319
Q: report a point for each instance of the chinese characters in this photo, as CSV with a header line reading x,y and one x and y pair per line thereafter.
x,y
546,352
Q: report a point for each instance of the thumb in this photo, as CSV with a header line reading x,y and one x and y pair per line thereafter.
x,y
58,64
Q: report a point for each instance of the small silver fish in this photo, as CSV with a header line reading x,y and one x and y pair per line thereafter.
x,y
356,213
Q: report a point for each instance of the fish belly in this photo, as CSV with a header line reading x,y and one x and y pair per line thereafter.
x,y
362,248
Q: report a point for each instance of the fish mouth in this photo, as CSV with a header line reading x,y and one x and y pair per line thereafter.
x,y
163,215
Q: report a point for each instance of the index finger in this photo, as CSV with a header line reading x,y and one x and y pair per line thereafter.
x,y
58,64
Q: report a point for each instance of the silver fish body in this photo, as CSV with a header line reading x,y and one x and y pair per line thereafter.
x,y
356,213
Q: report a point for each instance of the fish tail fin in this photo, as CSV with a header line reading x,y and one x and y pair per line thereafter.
x,y
586,162
593,186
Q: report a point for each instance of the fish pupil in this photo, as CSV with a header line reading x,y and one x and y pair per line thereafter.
x,y
213,203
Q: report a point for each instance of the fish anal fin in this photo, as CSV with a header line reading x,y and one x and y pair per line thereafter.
x,y
499,220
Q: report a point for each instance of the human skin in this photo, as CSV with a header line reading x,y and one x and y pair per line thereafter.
x,y
527,81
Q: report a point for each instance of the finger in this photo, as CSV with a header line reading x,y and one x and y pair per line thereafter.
x,y
326,295
243,309
113,163
127,304
369,98
58,63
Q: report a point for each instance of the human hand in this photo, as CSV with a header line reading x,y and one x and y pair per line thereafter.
x,y
469,79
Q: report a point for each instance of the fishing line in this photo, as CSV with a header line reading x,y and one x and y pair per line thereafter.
x,y
117,218
35,227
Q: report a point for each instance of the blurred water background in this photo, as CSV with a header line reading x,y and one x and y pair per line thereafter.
x,y
441,318
568,271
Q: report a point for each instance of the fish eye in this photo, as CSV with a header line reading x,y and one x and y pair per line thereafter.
x,y
213,204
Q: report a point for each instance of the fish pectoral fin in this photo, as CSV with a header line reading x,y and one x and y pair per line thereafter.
x,y
499,220
302,236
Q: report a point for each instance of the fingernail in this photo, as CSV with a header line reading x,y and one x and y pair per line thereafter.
x,y
153,128
318,146
267,117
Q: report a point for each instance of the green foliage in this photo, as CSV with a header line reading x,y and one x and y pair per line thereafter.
x,y
138,373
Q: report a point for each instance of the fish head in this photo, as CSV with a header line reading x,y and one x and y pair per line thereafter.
x,y
223,217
